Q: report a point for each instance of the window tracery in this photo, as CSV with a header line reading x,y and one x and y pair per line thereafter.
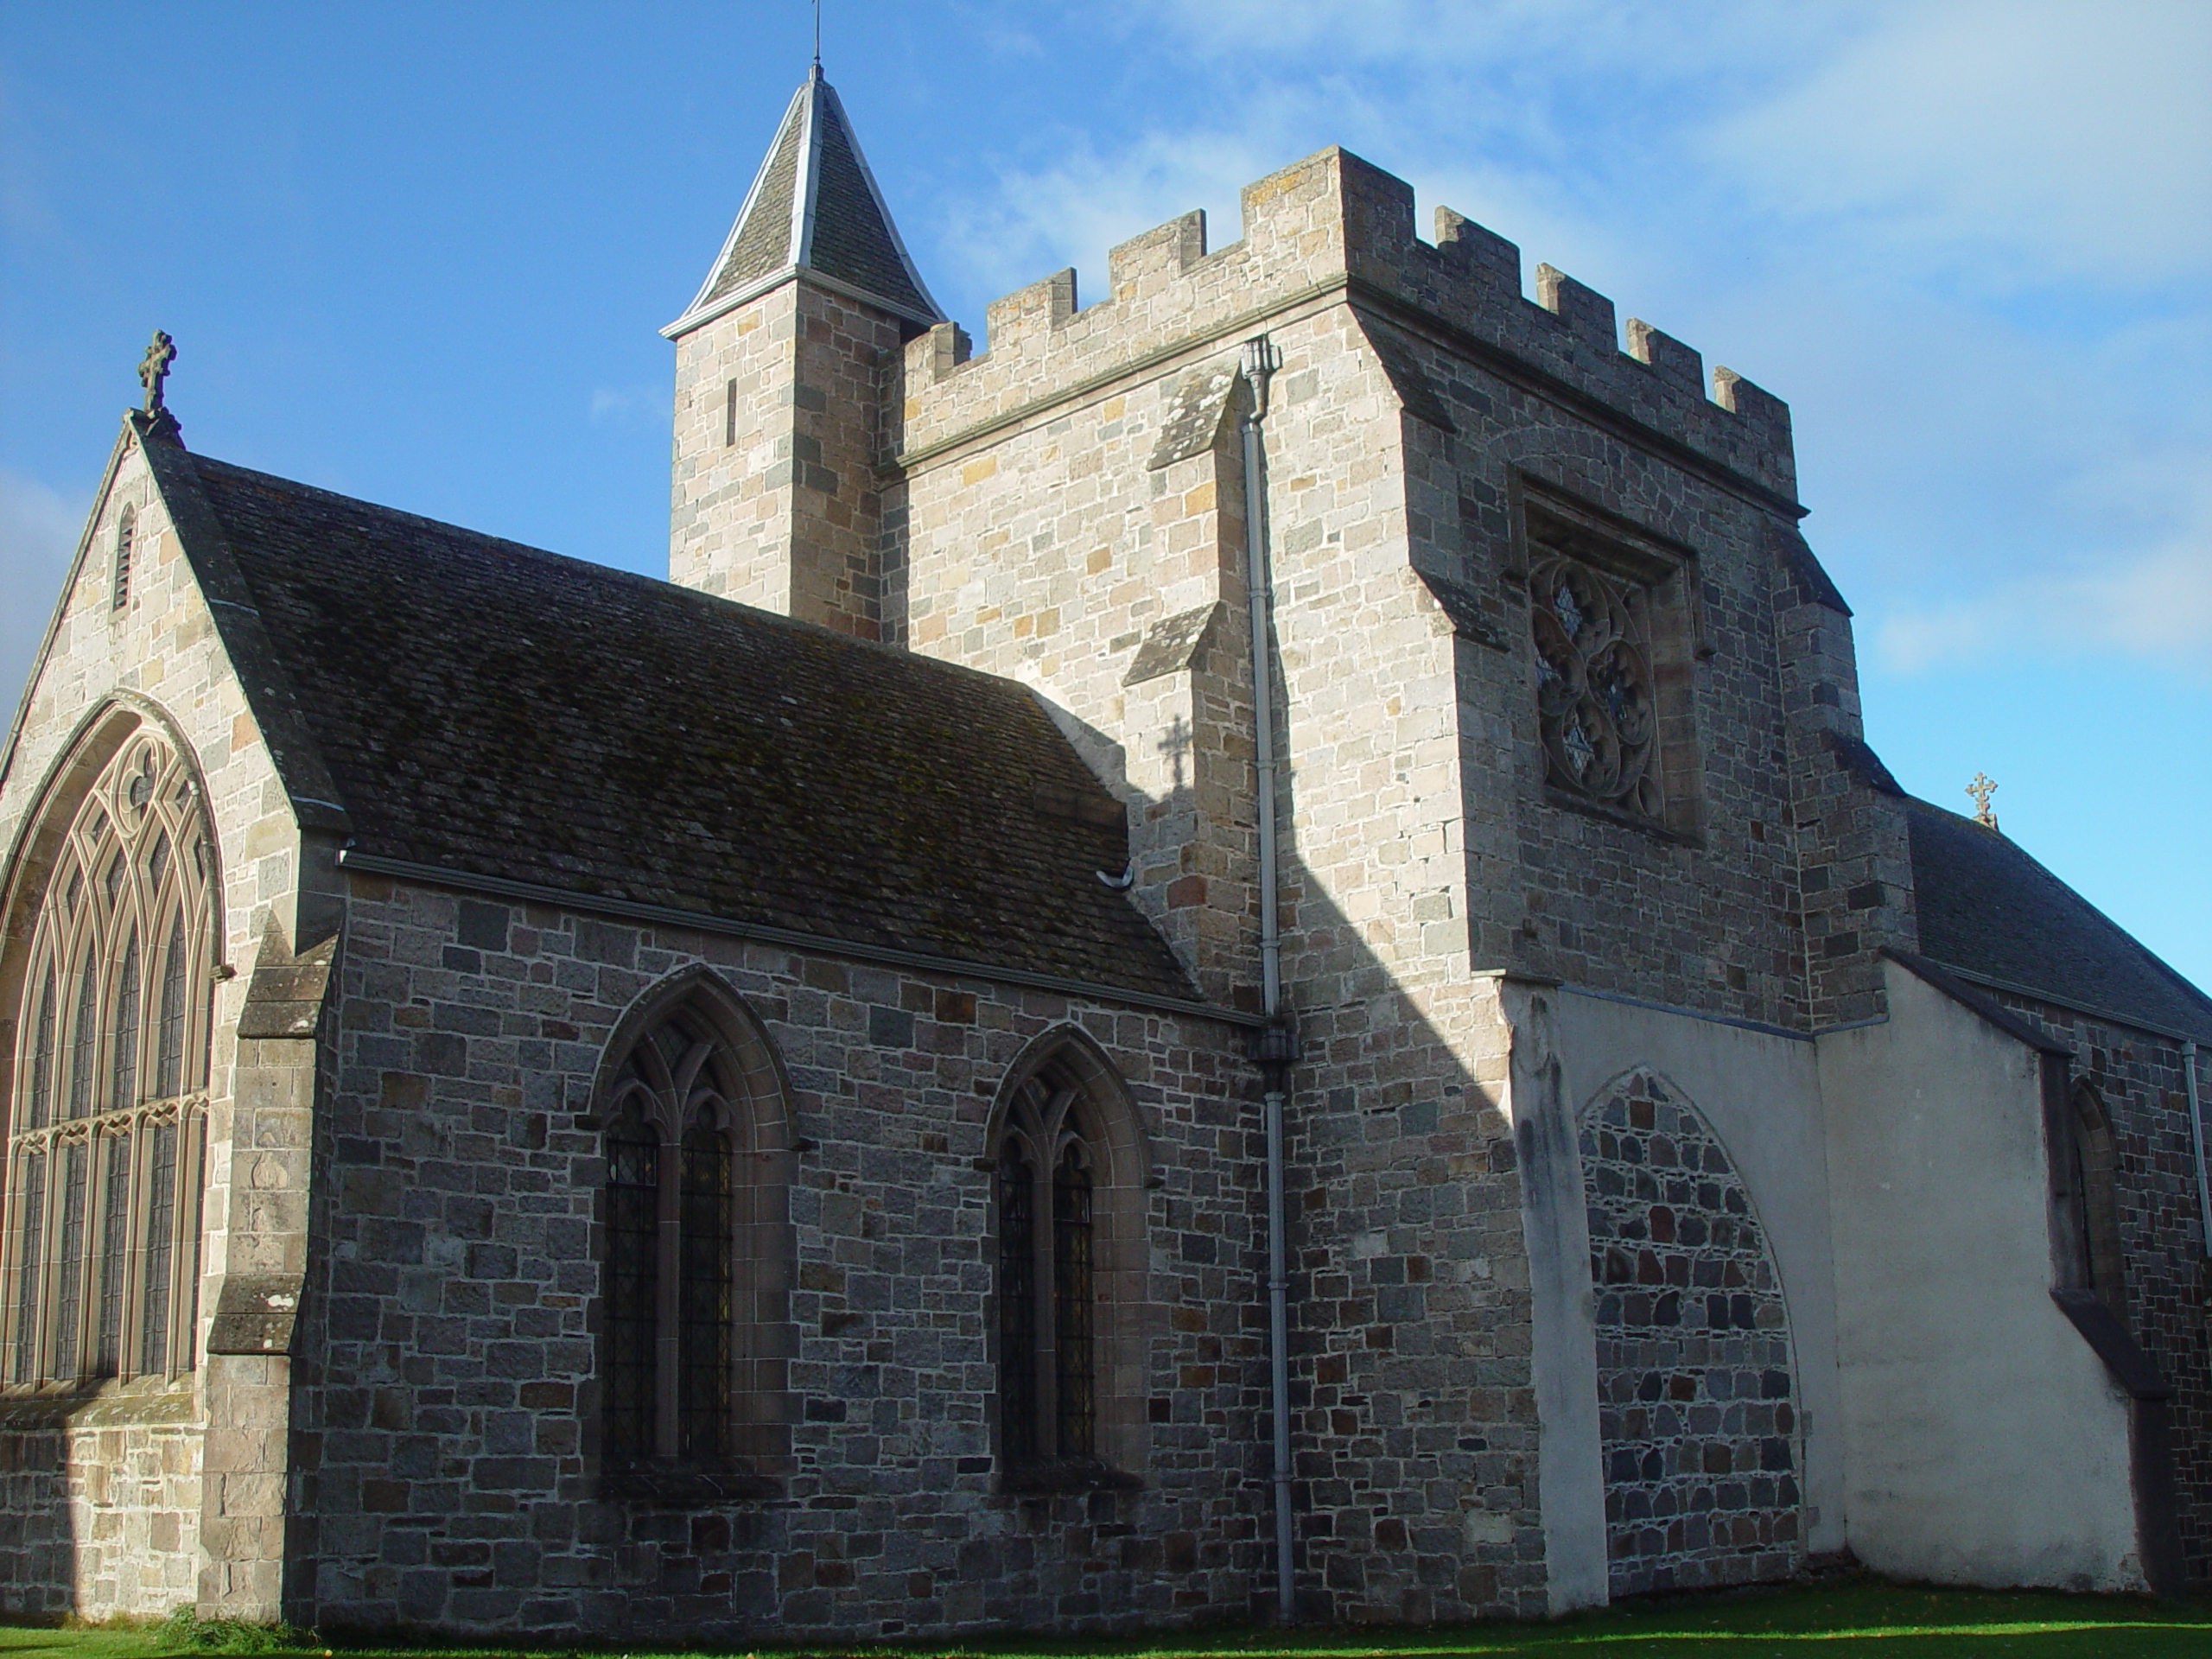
x,y
103,1227
693,1267
1596,700
1047,1284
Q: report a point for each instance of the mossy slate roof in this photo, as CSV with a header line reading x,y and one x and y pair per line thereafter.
x,y
496,710
1986,907
814,206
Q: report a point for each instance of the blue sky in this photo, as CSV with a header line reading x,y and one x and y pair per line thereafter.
x,y
420,254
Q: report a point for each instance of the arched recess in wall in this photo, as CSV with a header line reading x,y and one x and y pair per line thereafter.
x,y
107,978
2088,1198
1697,1387
1069,1165
693,1320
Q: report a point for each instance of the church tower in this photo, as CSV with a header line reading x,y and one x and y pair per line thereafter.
x,y
781,362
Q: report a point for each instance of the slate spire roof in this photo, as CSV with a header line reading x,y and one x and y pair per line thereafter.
x,y
814,206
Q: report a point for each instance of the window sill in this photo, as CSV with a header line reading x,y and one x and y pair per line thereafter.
x,y
1065,1475
99,1403
675,1486
1569,801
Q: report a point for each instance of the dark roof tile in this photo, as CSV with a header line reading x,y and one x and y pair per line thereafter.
x,y
814,206
1986,907
493,710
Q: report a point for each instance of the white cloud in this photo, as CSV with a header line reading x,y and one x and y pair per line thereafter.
x,y
38,533
2052,139
622,404
1961,236
2153,604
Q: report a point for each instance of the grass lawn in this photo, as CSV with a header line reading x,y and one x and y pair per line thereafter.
x,y
1859,1621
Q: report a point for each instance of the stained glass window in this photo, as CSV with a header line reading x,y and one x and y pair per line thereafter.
x,y
104,1209
682,1273
1047,1286
703,1293
634,1246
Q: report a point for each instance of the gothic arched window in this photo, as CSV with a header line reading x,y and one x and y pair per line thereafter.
x,y
692,1338
1064,1156
107,1113
2089,1198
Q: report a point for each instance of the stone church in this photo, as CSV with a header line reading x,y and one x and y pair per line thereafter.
x,y
1239,958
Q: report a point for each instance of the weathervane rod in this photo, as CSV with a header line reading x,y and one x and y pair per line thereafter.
x,y
818,35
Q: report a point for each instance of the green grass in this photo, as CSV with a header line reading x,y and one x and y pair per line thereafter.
x,y
1856,1621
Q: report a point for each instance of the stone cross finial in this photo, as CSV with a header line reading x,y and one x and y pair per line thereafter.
x,y
1982,789
154,368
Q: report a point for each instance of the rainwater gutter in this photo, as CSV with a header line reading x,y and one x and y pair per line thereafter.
x,y
1275,1047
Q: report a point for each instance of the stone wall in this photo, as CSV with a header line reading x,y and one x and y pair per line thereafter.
x,y
447,1470
1051,523
1051,551
1696,1377
127,1496
99,1505
774,499
2139,1080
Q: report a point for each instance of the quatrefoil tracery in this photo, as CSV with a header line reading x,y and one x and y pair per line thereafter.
x,y
1594,699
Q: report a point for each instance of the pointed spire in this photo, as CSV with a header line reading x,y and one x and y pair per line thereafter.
x,y
814,207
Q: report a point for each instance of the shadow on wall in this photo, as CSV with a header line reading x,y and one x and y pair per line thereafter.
x,y
38,1539
1407,1378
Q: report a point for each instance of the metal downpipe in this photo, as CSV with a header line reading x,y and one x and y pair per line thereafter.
x,y
1277,1047
2189,1051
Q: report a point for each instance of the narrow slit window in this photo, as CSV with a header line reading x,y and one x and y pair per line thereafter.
x,y
1018,1397
1050,1287
1075,1414
125,533
729,414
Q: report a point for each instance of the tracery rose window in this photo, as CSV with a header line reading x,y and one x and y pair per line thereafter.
x,y
107,1117
1595,701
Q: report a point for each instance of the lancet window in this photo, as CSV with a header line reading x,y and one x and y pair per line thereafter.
x,y
107,1107
1047,1279
2087,1195
691,1337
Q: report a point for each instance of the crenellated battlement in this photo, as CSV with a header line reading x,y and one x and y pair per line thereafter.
x,y
1324,230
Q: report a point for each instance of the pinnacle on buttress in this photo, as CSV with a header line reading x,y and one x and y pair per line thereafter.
x,y
814,207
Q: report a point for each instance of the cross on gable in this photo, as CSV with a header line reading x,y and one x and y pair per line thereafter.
x,y
1982,789
154,368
